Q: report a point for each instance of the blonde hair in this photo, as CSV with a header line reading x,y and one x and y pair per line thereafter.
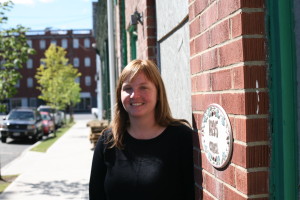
x,y
163,115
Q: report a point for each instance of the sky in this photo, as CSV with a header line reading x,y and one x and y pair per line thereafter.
x,y
54,14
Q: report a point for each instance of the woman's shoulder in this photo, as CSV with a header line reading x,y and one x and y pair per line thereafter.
x,y
181,128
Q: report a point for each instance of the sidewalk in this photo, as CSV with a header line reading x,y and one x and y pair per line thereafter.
x,y
61,173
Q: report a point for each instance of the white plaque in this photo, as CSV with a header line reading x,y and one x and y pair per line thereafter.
x,y
216,136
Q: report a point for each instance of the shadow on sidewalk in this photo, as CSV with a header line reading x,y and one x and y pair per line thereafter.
x,y
57,188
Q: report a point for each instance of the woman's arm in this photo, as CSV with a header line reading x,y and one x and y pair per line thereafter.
x,y
98,172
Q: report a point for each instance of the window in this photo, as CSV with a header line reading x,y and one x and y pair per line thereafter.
x,y
42,62
64,43
17,102
87,43
18,84
88,81
77,80
42,44
32,102
29,42
29,63
75,43
76,62
29,82
87,62
53,42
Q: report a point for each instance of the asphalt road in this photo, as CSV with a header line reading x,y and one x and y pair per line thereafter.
x,y
13,149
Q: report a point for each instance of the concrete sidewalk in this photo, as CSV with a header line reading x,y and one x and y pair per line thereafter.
x,y
60,173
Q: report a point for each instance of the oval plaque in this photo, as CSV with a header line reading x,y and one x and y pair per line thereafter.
x,y
216,136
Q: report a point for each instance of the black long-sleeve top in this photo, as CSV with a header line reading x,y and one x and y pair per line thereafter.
x,y
155,169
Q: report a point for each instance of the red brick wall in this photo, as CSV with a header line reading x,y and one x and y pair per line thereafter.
x,y
228,67
146,44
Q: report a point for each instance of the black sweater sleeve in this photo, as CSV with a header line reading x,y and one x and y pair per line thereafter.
x,y
188,165
98,171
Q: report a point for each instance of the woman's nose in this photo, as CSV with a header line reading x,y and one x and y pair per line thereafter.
x,y
134,93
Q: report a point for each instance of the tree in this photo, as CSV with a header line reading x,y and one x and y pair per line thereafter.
x,y
14,52
56,78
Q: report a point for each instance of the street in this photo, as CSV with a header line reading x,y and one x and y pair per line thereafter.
x,y
12,149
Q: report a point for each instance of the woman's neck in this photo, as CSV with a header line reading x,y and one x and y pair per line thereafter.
x,y
144,129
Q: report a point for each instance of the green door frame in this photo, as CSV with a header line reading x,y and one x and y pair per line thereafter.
x,y
283,97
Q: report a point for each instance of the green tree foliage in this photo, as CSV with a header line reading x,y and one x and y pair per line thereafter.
x,y
14,52
56,78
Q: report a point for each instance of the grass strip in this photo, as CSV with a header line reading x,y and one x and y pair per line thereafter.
x,y
44,145
6,181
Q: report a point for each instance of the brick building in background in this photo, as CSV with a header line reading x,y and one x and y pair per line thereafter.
x,y
81,54
239,54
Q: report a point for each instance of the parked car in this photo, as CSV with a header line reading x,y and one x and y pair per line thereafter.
x,y
57,115
22,123
48,123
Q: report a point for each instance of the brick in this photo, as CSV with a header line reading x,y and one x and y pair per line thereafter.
x,y
254,49
230,194
150,2
253,4
206,164
197,121
194,28
220,33
231,53
202,42
210,60
239,155
251,130
206,196
192,11
150,11
209,17
214,187
252,183
192,47
150,22
245,77
256,77
227,175
241,181
238,77
227,7
209,99
150,42
258,156
221,80
248,24
258,182
200,5
250,156
256,103
201,83
196,102
151,31
233,103
195,64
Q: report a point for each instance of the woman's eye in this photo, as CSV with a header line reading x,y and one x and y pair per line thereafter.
x,y
127,89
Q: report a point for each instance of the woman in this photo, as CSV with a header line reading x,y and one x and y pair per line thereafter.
x,y
145,154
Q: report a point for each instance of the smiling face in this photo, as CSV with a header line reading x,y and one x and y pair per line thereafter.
x,y
139,97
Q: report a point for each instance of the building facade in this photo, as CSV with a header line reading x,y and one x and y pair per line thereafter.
x,y
81,54
240,55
